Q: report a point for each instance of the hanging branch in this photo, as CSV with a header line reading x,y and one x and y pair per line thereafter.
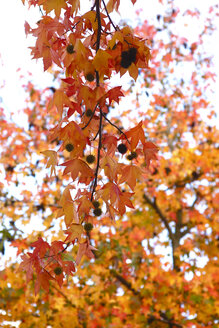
x,y
108,15
98,18
115,126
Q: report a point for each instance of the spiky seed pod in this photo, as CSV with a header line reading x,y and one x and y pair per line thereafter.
x,y
96,203
97,211
132,155
122,148
89,77
90,159
70,49
69,147
128,57
58,271
88,226
89,112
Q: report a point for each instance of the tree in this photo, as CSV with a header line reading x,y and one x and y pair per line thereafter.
x,y
122,279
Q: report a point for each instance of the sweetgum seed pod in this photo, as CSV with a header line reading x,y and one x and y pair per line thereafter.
x,y
97,211
122,148
132,54
96,203
90,159
70,49
88,226
89,112
69,147
89,77
58,271
128,57
132,155
125,61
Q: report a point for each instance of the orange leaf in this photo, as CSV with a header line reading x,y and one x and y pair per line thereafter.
x,y
79,169
52,159
60,100
85,249
150,150
74,232
136,134
56,5
130,173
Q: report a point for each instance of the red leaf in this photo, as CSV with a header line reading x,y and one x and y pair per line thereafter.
x,y
85,249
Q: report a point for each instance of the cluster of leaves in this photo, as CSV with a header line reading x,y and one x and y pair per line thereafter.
x,y
127,281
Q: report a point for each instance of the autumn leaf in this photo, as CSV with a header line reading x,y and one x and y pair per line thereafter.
x,y
52,160
85,249
136,134
56,5
42,280
74,231
59,100
133,71
113,94
27,265
130,174
118,199
79,169
68,207
100,61
41,247
150,152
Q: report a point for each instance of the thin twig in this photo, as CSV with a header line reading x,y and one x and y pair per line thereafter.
x,y
109,15
98,155
65,297
115,126
98,18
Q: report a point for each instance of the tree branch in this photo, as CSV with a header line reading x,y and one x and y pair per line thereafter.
x,y
162,217
108,15
63,295
124,282
115,126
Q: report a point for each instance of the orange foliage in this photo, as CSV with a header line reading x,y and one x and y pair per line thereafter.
x,y
119,237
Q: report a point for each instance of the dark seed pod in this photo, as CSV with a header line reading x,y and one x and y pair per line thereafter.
x,y
58,271
168,170
69,147
70,49
88,226
125,61
89,77
132,155
96,203
97,211
128,57
89,112
132,54
122,148
90,159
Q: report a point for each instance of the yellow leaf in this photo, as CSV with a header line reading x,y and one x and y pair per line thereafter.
x,y
56,5
100,61
74,232
133,71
